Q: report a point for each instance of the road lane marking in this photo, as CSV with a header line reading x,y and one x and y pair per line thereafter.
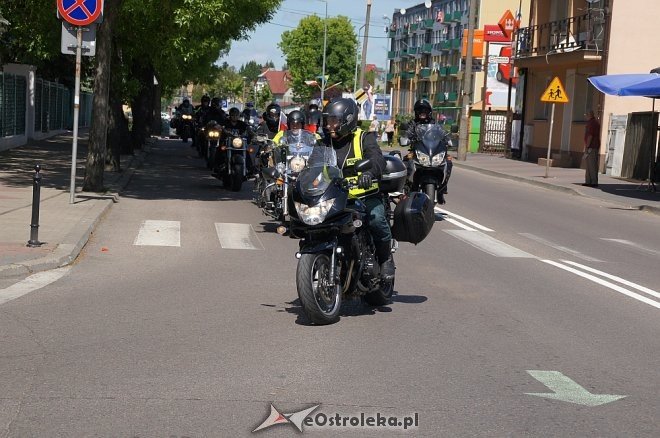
x,y
559,247
159,233
640,288
237,236
449,216
565,389
634,245
605,283
32,283
489,244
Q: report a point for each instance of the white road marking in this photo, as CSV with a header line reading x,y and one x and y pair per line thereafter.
x,y
237,236
159,233
489,244
559,247
32,283
464,219
646,290
565,389
634,245
605,283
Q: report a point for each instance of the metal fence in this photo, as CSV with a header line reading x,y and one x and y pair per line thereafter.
x,y
53,106
12,104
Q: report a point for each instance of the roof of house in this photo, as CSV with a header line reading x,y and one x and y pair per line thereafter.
x,y
278,80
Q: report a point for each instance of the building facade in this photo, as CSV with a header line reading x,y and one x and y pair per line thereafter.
x,y
425,58
573,40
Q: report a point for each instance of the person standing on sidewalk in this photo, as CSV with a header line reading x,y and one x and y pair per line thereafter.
x,y
389,131
591,150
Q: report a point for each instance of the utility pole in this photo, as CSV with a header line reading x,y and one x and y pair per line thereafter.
x,y
325,49
467,85
364,44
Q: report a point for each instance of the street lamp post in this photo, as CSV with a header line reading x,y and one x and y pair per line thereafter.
x,y
325,47
357,51
387,30
364,46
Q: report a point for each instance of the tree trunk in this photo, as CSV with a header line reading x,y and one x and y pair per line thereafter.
x,y
142,104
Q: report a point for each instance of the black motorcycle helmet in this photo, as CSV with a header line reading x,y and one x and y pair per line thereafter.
x,y
234,114
340,116
295,120
272,116
185,103
215,102
206,100
423,111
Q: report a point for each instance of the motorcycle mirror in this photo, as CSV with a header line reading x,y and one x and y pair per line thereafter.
x,y
363,165
454,129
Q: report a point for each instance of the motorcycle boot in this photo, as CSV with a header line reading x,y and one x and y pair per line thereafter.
x,y
384,258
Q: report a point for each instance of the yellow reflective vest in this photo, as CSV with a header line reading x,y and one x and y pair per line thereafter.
x,y
356,192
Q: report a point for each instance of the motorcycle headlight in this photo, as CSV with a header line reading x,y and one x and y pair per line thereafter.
x,y
187,117
297,164
214,134
314,215
237,142
424,159
438,159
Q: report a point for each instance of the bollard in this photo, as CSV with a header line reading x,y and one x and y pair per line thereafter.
x,y
36,195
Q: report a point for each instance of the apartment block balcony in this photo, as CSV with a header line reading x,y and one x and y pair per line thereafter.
x,y
455,44
425,72
391,34
445,45
392,54
578,38
413,27
452,96
390,77
428,24
443,71
454,16
452,70
427,48
439,98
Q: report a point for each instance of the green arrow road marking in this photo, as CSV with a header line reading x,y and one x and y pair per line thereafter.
x,y
565,389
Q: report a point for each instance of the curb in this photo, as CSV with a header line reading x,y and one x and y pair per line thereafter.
x,y
68,250
643,207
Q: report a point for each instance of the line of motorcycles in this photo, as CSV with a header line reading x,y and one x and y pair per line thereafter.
x,y
303,188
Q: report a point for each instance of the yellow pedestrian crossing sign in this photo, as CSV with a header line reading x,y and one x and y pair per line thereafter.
x,y
555,92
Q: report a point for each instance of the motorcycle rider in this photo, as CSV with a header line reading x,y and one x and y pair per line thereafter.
x,y
233,127
340,118
184,109
271,124
423,118
313,117
201,113
215,112
295,120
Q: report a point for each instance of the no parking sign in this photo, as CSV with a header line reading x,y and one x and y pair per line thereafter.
x,y
80,12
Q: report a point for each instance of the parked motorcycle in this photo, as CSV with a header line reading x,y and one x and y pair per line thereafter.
x,y
289,158
427,162
232,171
337,255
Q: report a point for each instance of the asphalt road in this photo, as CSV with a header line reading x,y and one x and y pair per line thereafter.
x,y
169,325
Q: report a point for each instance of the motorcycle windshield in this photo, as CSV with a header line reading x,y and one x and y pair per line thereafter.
x,y
300,143
434,140
315,180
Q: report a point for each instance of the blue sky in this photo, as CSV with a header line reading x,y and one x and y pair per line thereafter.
x,y
262,44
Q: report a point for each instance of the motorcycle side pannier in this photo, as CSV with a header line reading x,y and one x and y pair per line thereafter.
x,y
413,218
394,176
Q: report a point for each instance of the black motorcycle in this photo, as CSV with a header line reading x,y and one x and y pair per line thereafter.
x,y
186,127
337,256
427,161
232,170
210,134
288,158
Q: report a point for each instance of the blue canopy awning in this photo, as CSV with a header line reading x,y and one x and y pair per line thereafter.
x,y
644,85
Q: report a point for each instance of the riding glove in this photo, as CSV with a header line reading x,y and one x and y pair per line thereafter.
x,y
365,180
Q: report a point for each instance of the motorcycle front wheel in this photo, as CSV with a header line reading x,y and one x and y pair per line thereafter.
x,y
237,179
430,191
320,302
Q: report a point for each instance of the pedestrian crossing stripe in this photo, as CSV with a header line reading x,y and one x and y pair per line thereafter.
x,y
555,92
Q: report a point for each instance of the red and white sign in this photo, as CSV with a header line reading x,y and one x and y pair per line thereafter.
x,y
80,12
493,34
507,23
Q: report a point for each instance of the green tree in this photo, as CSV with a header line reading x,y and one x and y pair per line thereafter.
x,y
264,97
303,50
250,71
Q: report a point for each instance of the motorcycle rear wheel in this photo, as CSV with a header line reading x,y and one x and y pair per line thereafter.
x,y
320,302
381,296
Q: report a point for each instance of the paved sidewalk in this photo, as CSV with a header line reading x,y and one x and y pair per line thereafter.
x,y
64,228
